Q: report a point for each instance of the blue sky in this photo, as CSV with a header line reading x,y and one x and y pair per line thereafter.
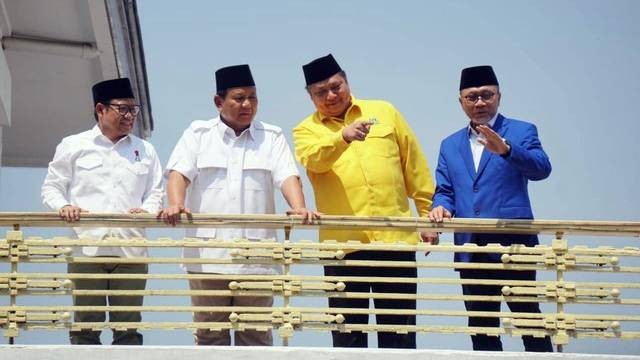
x,y
570,67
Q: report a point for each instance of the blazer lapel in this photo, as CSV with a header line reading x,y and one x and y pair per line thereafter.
x,y
465,153
487,155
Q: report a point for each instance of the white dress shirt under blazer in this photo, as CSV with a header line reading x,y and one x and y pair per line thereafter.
x,y
476,147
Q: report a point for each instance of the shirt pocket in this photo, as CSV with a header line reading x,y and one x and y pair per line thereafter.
x,y
381,141
212,171
257,173
90,162
139,167
135,178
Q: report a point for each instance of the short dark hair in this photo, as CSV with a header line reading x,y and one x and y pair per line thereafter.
x,y
223,93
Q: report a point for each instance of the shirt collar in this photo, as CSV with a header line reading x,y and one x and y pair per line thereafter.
x,y
355,106
97,135
223,129
473,132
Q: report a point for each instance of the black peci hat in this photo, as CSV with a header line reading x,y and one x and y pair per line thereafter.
x,y
477,76
233,76
107,90
320,69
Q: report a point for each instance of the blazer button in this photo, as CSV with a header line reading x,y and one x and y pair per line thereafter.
x,y
475,189
477,212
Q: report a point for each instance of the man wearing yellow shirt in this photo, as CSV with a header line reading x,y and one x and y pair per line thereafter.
x,y
363,159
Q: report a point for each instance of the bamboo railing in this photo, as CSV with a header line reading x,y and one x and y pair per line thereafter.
x,y
558,258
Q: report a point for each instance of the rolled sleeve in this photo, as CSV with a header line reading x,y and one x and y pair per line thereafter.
x,y
183,157
284,164
152,199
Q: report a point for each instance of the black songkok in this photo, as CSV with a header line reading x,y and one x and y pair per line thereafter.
x,y
233,77
320,69
105,91
477,76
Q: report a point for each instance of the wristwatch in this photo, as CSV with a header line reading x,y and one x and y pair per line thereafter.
x,y
506,142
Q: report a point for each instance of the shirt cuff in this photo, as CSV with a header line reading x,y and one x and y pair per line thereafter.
x,y
339,142
58,204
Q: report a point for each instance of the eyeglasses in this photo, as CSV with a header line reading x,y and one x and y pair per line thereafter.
x,y
125,109
321,94
486,96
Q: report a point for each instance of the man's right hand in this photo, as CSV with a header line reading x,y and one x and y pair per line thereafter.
x,y
438,214
70,213
356,131
171,215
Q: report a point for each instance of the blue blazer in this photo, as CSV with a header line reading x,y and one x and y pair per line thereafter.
x,y
498,189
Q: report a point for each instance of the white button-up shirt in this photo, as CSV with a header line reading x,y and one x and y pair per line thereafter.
x,y
231,174
476,147
90,171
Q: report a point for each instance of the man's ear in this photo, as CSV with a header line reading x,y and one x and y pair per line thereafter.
x,y
217,101
100,108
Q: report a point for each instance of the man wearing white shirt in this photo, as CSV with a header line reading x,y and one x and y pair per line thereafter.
x,y
231,165
106,169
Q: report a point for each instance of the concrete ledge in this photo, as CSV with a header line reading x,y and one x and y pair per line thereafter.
x,y
50,352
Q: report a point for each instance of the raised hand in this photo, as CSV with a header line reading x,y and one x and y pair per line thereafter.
x,y
492,141
358,131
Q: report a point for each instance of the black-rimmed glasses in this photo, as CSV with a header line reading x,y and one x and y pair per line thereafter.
x,y
123,109
486,96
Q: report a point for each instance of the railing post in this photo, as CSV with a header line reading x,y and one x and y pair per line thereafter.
x,y
560,248
14,238
287,328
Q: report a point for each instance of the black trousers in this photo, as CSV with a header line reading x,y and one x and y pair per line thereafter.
x,y
120,337
385,339
493,343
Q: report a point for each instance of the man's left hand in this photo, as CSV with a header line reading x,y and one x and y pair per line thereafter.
x,y
429,238
307,215
492,141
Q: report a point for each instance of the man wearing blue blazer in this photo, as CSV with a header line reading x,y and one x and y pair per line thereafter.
x,y
483,171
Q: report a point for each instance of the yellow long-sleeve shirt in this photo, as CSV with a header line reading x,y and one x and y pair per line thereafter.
x,y
374,177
